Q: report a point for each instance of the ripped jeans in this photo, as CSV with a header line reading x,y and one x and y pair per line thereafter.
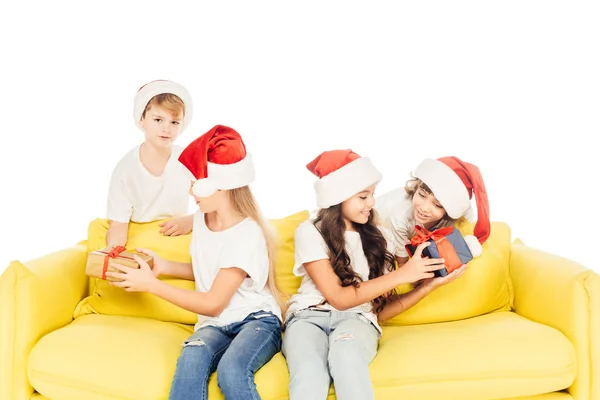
x,y
321,346
235,351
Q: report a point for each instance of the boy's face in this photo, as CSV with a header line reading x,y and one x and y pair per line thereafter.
x,y
160,128
427,209
357,208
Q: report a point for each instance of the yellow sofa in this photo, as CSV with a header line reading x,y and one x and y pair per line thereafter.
x,y
520,323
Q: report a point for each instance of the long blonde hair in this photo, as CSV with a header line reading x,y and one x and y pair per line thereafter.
x,y
243,202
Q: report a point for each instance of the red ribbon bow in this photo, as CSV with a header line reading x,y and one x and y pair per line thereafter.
x,y
445,248
422,235
114,253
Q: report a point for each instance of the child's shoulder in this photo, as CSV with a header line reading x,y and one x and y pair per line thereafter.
x,y
307,229
176,151
248,230
128,160
388,235
393,200
250,227
393,206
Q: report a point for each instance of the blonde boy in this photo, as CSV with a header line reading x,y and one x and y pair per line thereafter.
x,y
148,183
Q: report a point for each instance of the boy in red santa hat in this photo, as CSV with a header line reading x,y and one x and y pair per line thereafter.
x,y
438,194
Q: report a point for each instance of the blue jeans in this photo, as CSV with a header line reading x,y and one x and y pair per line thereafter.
x,y
235,351
323,346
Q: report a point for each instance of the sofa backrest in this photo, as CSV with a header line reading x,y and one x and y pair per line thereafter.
x,y
106,299
485,287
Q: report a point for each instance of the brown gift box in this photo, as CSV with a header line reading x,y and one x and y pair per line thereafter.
x,y
95,266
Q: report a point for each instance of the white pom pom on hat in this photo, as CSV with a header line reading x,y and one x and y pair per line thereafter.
x,y
474,245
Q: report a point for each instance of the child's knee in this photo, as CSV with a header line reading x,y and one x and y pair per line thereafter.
x,y
195,354
346,350
232,374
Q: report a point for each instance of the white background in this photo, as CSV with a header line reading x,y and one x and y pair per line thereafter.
x,y
511,86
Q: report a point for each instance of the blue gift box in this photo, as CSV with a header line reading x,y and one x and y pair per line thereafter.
x,y
455,238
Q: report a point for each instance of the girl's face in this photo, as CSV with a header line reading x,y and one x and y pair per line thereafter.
x,y
208,204
358,207
427,209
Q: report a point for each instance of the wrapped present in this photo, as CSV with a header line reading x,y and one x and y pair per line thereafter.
x,y
447,243
98,261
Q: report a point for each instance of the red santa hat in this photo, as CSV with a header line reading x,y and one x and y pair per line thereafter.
x,y
154,88
218,161
342,174
453,182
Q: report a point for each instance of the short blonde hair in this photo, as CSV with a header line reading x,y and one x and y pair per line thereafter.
x,y
170,102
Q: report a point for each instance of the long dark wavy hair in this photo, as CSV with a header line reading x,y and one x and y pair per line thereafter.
x,y
330,223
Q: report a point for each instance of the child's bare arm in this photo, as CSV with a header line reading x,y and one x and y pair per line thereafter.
x,y
401,302
174,269
210,303
117,234
346,297
401,260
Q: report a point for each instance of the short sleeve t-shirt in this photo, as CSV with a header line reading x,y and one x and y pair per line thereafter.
x,y
242,246
396,213
310,246
138,196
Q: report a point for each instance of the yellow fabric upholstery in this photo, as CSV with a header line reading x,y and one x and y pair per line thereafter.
x,y
562,294
485,287
89,369
500,353
117,357
546,396
548,349
286,227
109,357
36,298
481,356
110,300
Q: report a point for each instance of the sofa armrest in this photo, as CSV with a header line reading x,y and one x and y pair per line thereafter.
x,y
565,295
36,297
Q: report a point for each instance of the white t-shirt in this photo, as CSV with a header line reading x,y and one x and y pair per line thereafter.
x,y
396,213
310,246
138,196
242,246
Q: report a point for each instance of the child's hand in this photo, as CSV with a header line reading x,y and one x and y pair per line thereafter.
x,y
134,279
159,266
434,283
176,226
417,268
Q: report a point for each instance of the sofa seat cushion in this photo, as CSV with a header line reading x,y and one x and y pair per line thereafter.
x,y
498,355
102,357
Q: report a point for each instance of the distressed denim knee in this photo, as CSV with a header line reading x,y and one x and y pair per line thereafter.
x,y
353,345
254,346
196,362
192,371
